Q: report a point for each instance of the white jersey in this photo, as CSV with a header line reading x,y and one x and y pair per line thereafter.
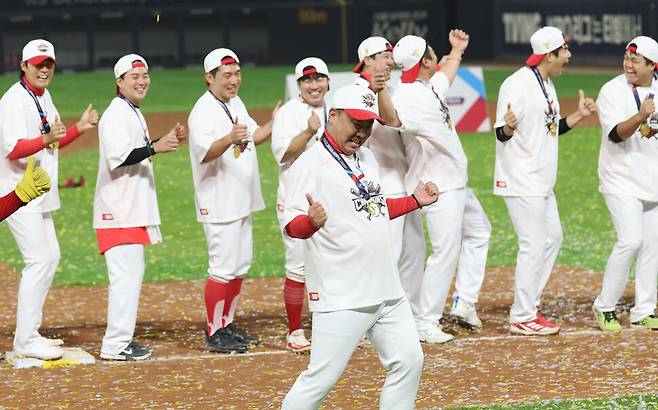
x,y
290,121
19,119
526,164
629,167
125,196
386,144
433,149
227,188
349,262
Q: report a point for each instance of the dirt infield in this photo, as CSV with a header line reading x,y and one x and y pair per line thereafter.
x,y
490,367
159,124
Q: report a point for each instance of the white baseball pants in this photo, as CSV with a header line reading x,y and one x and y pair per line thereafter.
x,y
125,268
636,223
294,259
37,241
230,249
537,225
409,247
459,232
390,329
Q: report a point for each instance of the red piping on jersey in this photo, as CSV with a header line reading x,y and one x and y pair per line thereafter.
x,y
301,227
37,91
332,142
400,206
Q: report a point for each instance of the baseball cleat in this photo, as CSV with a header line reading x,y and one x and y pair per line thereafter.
x,y
649,322
224,341
297,342
464,314
133,352
607,321
241,336
536,327
42,351
52,342
433,334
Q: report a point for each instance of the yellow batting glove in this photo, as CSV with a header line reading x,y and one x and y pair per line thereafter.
x,y
35,182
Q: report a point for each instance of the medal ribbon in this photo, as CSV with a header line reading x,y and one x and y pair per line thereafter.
x,y
543,89
132,107
444,107
45,126
637,97
336,156
226,110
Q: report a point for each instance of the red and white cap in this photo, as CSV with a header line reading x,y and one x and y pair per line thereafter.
x,y
310,65
543,41
219,57
370,47
37,51
358,102
644,46
407,54
127,63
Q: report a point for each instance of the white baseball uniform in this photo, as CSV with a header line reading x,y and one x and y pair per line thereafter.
x,y
352,281
32,225
406,230
226,189
291,120
458,227
525,174
628,180
125,202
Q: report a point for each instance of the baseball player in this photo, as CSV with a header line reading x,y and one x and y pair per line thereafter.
x,y
30,125
35,183
528,123
375,64
627,180
458,227
223,139
335,201
126,215
298,125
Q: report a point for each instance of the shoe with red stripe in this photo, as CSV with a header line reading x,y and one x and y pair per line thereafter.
x,y
535,327
543,319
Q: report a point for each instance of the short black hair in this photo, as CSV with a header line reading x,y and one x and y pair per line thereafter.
x,y
646,60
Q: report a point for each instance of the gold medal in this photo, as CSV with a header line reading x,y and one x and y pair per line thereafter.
x,y
55,145
236,151
552,127
449,122
645,130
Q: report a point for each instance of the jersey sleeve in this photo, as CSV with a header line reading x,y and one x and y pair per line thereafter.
x,y
115,139
609,109
283,131
203,132
441,84
510,93
299,184
12,125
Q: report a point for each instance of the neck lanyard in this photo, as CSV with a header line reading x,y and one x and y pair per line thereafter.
x,y
535,70
132,107
362,189
226,110
45,126
638,103
444,107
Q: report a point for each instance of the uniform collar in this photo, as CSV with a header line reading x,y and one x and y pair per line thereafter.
x,y
37,91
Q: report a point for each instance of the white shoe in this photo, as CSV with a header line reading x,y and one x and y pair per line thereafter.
x,y
41,350
297,342
52,342
465,315
433,334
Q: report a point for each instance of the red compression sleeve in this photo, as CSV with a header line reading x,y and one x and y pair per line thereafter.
x,y
24,148
400,206
301,227
9,204
71,134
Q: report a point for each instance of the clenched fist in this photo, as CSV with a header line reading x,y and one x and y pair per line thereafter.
x,y
316,212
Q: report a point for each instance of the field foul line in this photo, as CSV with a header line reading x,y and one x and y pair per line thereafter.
x,y
458,342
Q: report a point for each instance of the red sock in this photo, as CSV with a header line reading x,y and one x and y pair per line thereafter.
x,y
293,297
234,287
216,293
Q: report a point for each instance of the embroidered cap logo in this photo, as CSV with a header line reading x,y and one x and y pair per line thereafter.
x,y
368,100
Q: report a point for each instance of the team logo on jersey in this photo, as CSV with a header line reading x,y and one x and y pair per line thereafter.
x,y
313,296
368,100
372,206
551,122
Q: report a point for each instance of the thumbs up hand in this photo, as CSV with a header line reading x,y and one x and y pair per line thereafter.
x,y
35,182
510,118
88,120
316,212
586,106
